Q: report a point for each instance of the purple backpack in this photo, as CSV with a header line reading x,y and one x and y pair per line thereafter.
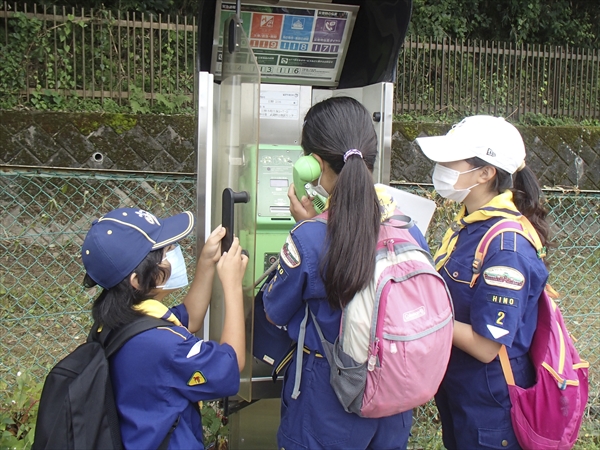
x,y
395,335
547,415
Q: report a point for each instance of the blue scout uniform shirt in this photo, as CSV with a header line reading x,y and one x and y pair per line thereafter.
x,y
298,279
158,375
473,399
502,305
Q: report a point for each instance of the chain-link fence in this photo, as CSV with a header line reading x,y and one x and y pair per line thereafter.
x,y
45,309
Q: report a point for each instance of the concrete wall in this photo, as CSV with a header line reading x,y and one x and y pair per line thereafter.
x,y
560,156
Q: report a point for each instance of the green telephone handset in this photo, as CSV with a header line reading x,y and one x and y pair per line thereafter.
x,y
307,170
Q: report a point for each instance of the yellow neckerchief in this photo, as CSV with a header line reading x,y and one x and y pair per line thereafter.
x,y
154,308
386,202
501,205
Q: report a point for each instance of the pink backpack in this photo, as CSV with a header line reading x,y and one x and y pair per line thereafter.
x,y
547,415
396,335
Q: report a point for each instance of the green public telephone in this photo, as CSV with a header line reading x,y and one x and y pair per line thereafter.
x,y
278,166
305,171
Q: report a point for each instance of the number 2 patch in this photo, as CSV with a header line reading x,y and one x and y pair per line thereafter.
x,y
501,317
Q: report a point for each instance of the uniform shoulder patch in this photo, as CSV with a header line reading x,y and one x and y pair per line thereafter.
x,y
289,253
196,379
497,332
195,349
503,276
503,300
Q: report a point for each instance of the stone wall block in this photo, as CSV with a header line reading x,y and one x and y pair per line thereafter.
x,y
559,156
144,144
74,143
109,144
9,147
36,141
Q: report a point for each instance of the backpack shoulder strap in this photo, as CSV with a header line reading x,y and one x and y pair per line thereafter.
x,y
300,348
529,233
299,353
322,217
408,222
115,339
506,368
504,225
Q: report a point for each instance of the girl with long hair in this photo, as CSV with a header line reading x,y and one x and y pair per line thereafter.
x,y
324,265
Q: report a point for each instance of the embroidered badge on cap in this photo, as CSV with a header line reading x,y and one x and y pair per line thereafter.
x,y
505,277
289,253
150,218
497,332
196,379
503,300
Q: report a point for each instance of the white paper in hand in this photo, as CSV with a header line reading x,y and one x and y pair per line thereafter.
x,y
420,209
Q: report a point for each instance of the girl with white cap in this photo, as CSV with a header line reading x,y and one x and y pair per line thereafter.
x,y
481,164
160,375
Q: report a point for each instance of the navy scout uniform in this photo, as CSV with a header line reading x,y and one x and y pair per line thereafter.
x,y
159,375
502,306
316,419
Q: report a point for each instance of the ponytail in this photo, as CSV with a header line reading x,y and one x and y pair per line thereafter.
x,y
526,195
352,231
332,127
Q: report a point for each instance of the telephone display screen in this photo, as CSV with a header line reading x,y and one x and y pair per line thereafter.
x,y
279,182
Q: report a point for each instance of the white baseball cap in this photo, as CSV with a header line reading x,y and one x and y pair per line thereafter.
x,y
489,138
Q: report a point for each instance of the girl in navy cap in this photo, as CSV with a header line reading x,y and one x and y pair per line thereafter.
x,y
481,164
159,375
325,265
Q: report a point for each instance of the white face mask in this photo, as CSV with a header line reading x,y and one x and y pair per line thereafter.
x,y
320,189
178,278
444,180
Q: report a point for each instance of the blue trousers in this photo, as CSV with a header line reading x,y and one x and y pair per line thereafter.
x,y
474,403
317,420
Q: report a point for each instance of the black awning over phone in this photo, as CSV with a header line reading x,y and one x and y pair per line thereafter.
x,y
372,49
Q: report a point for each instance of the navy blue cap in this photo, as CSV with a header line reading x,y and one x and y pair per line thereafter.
x,y
120,240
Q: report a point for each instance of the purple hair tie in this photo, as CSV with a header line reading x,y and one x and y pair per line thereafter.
x,y
351,152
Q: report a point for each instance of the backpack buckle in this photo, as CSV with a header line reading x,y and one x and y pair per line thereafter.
x,y
476,265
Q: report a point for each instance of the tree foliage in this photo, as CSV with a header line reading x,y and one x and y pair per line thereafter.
x,y
154,7
559,22
556,22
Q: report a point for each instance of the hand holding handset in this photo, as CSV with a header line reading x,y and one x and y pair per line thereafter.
x,y
307,170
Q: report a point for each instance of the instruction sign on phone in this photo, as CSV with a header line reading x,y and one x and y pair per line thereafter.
x,y
291,45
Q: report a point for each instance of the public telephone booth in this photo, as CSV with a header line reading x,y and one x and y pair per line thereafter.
x,y
261,66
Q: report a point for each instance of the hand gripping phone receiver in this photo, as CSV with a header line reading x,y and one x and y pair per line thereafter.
x,y
306,170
